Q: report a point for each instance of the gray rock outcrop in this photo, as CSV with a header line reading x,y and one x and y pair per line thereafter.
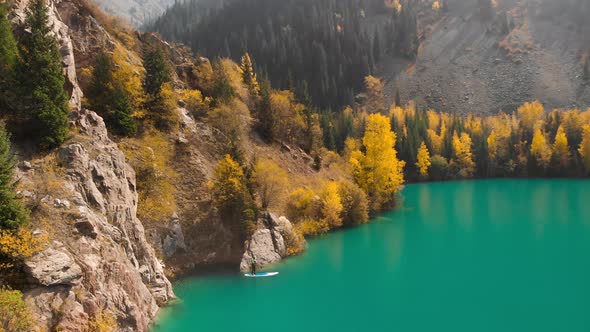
x,y
267,243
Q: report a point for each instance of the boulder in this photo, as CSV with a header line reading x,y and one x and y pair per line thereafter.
x,y
268,243
261,246
52,267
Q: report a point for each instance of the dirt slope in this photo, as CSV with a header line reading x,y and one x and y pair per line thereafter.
x,y
466,65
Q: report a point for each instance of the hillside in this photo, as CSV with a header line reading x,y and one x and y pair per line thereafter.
x,y
468,65
467,61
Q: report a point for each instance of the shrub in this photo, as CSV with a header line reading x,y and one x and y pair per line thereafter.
x,y
355,204
311,227
194,102
303,204
16,245
14,314
270,181
103,322
150,155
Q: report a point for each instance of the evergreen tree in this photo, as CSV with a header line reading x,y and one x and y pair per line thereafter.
x,y
8,58
264,113
157,71
108,98
12,212
249,76
44,100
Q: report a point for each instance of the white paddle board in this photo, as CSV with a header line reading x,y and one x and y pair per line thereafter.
x,y
261,275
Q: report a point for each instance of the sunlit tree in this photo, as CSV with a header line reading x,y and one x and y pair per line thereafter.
x,y
378,171
423,158
464,156
561,149
540,150
270,181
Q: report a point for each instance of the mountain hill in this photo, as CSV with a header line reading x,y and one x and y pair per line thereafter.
x,y
474,55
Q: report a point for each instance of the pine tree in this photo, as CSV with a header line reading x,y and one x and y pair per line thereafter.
x,y
157,71
109,99
8,58
249,76
45,102
264,113
12,212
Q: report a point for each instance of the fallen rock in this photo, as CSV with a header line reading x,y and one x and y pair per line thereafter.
x,y
52,267
262,247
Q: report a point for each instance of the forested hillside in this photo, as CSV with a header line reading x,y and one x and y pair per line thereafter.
x,y
320,49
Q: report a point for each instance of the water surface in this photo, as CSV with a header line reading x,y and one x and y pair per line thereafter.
x,y
494,255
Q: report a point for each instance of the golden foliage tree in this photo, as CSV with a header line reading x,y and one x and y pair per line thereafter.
x,y
584,148
270,181
249,76
130,76
231,196
561,149
289,120
492,146
540,149
378,171
530,114
464,156
423,160
332,205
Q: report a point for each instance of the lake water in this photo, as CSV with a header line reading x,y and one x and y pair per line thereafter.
x,y
494,255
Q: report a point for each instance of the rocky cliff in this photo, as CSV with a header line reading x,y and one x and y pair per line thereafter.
x,y
97,264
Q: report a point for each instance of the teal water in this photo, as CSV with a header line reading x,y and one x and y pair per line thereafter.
x,y
494,255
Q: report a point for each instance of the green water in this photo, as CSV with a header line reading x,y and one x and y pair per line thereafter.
x,y
498,255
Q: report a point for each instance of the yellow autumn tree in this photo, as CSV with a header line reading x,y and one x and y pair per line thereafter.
x,y
464,156
530,114
270,181
540,149
584,148
492,146
128,72
423,160
561,149
378,171
332,205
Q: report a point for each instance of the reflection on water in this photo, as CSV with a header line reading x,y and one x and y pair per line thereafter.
x,y
486,256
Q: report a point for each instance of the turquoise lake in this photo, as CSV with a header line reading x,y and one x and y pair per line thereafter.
x,y
491,255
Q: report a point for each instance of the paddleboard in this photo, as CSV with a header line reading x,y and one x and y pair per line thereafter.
x,y
260,275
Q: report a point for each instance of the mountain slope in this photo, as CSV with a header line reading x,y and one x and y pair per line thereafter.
x,y
465,64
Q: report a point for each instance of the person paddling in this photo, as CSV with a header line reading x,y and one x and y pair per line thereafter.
x,y
253,265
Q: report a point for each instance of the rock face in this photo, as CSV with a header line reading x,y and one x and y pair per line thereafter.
x,y
99,261
53,267
268,243
103,262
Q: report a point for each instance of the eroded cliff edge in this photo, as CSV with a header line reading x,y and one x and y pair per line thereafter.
x,y
97,264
